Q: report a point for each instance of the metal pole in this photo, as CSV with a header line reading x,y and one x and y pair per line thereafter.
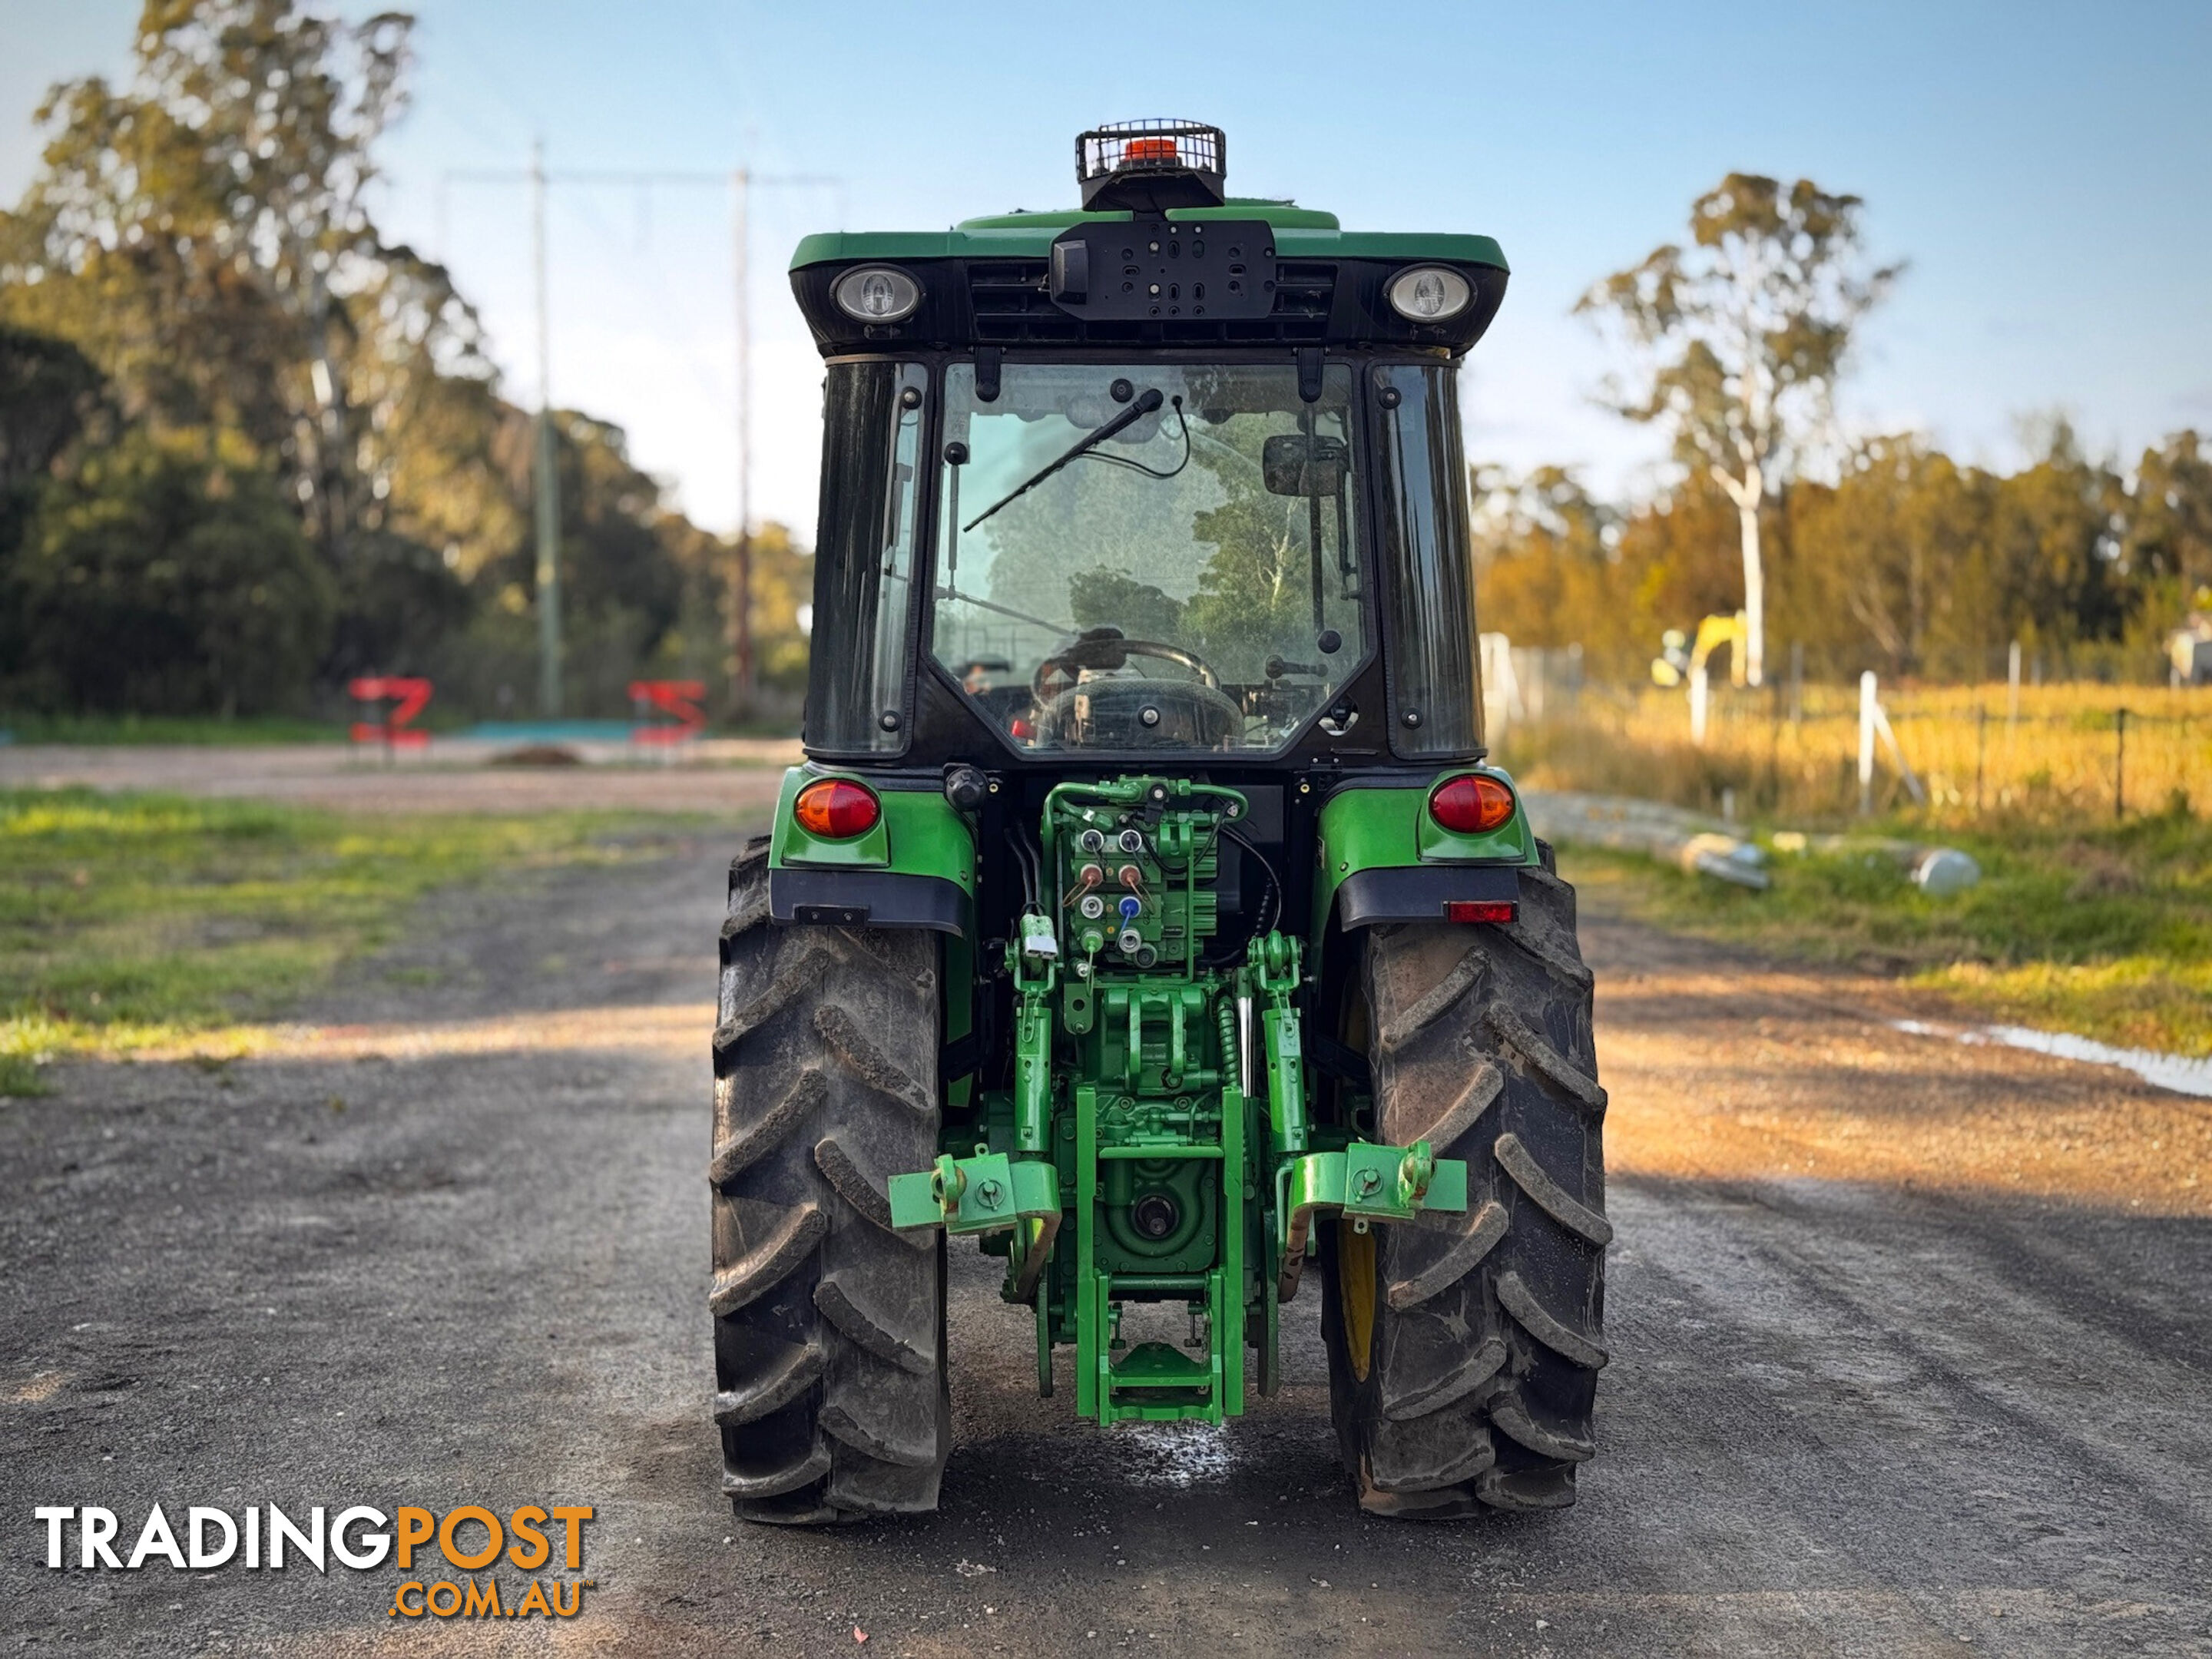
x,y
1981,751
741,182
2120,763
741,568
2012,685
548,496
1774,747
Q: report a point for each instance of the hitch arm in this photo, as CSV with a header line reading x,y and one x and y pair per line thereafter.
x,y
1366,1182
986,1194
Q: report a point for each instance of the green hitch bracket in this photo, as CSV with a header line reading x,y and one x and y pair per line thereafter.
x,y
1365,1182
988,1193
984,1193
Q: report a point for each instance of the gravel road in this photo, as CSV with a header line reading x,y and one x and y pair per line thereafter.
x,y
1907,1360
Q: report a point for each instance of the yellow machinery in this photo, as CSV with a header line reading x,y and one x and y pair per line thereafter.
x,y
1675,665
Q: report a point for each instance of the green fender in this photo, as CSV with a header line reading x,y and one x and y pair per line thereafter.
x,y
1384,828
919,833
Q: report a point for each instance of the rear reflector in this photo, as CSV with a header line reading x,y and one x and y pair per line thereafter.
x,y
1497,910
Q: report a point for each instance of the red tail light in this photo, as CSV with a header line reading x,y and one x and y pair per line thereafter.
x,y
836,809
1471,805
1500,911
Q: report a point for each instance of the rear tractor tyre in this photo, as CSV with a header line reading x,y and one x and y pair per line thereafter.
x,y
828,1327
1464,1349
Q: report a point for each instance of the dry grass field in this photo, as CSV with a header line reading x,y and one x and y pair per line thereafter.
x,y
2060,756
2094,912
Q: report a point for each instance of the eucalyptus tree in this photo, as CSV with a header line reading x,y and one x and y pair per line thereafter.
x,y
203,229
1739,339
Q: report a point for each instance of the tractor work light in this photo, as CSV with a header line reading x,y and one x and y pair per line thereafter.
x,y
1429,294
836,809
1473,803
878,294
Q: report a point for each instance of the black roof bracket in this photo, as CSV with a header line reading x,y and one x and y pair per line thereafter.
x,y
1145,268
1310,366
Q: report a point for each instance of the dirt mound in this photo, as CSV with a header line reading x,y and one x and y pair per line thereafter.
x,y
539,753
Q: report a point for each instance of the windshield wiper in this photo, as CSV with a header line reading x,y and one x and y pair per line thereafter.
x,y
949,591
1147,401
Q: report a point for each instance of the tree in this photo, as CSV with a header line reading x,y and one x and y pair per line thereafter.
x,y
203,231
783,600
2054,547
196,258
1543,546
48,389
2167,550
1741,338
153,578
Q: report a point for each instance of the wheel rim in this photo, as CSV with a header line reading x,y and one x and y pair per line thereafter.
x,y
1355,1293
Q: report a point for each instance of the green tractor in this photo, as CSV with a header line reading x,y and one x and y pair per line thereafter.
x,y
1145,910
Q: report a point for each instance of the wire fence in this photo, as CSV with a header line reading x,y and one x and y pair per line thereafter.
x,y
2046,751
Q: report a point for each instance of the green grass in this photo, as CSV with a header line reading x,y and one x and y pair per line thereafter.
x,y
169,728
2103,931
130,922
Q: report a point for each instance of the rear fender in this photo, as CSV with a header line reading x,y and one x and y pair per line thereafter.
x,y
915,868
1383,859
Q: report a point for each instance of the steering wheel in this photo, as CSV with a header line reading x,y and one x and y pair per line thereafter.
x,y
1141,713
1105,648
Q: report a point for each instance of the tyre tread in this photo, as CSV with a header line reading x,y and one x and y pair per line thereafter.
x,y
830,1395
1578,1217
1488,1328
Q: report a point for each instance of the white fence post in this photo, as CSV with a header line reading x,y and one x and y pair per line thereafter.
x,y
1697,705
1867,709
1874,720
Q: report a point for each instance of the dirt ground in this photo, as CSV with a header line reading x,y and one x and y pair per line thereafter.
x,y
1911,1343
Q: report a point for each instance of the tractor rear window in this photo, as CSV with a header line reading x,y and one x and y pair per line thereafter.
x,y
1159,556
863,565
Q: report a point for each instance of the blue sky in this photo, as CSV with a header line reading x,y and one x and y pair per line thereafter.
x,y
2046,170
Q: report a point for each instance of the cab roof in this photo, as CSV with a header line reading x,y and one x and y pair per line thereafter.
x,y
999,282
1300,234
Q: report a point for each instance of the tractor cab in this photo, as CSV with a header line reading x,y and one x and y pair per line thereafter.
x,y
1170,473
